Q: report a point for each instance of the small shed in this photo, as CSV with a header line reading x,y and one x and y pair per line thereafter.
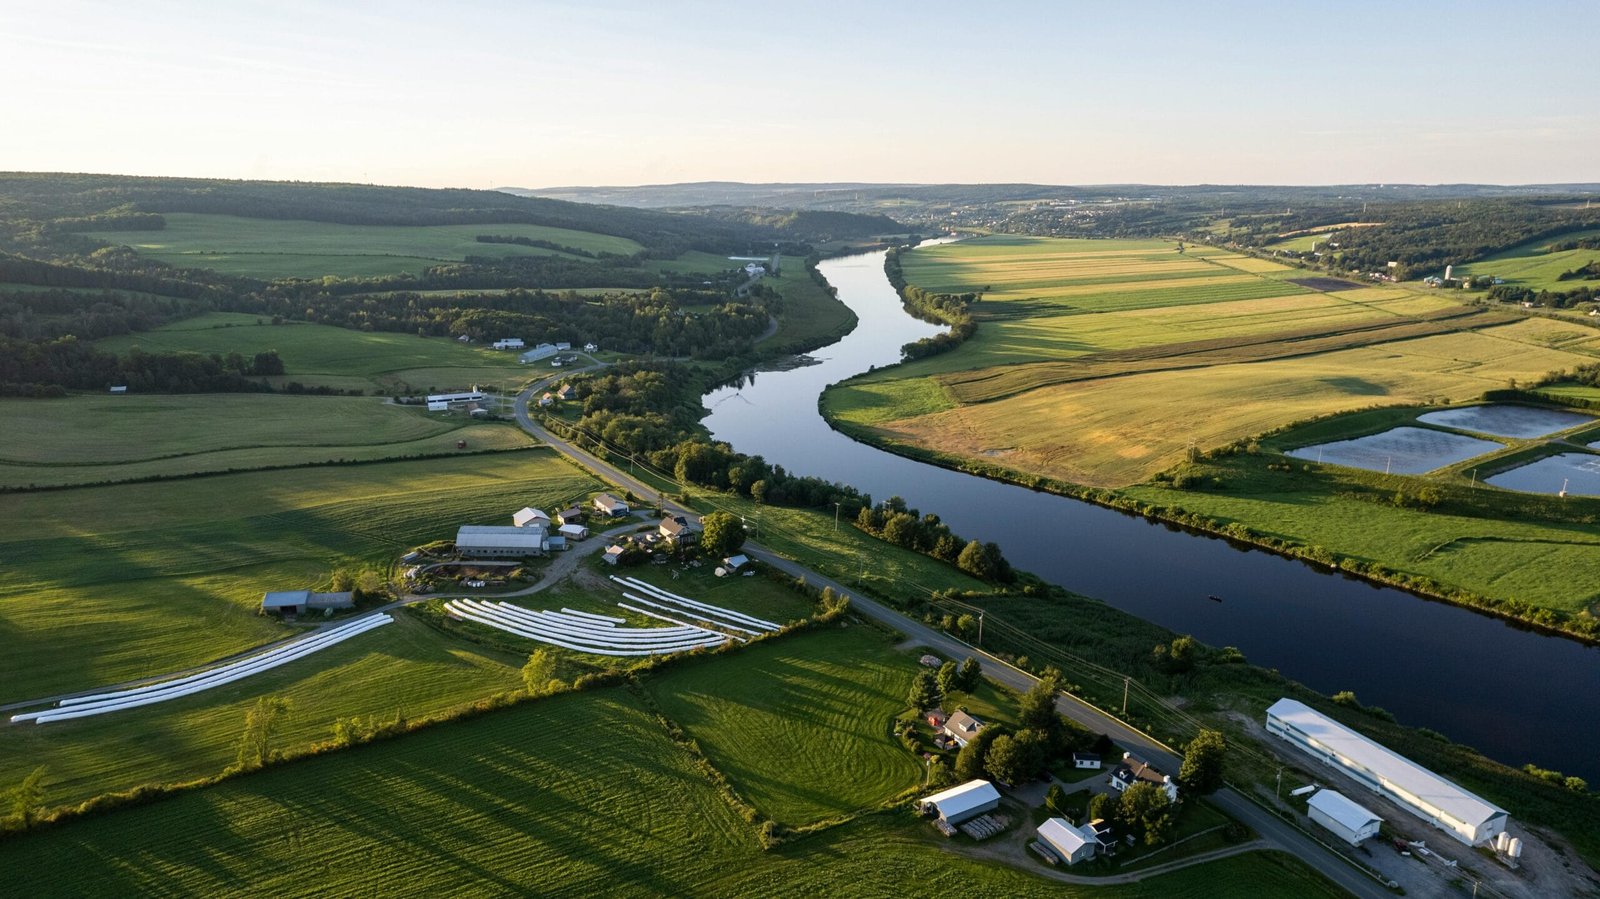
x,y
957,804
1086,761
573,515
573,531
555,542
120,388
734,563
1347,820
613,553
296,602
1071,844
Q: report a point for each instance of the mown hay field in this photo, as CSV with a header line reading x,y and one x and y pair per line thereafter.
x,y
1118,431
817,707
135,580
274,248
102,439
317,355
578,795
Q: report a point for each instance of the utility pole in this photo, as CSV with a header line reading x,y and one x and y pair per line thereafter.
x,y
1125,681
1280,781
836,508
980,628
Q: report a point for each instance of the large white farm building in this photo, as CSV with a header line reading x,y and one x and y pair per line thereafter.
x,y
1463,815
481,541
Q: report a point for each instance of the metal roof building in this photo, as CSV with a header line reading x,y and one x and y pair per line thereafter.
x,y
1463,815
530,515
489,541
957,804
299,601
1349,821
1071,843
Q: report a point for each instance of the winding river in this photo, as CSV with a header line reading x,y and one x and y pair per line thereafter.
x,y
1516,695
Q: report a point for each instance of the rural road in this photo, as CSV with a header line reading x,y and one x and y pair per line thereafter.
x,y
1274,830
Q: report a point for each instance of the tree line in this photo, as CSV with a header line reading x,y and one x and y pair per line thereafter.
x,y
954,310
45,368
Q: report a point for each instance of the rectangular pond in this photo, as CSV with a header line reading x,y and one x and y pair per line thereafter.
x,y
1398,450
1579,471
1506,420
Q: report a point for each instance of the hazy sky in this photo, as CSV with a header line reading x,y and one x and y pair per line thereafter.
x,y
534,94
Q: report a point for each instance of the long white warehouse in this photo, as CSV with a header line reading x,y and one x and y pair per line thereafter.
x,y
1463,815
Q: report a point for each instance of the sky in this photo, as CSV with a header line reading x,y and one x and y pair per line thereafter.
x,y
542,94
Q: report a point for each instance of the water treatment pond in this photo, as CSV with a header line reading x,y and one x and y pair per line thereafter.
x,y
1510,692
1505,420
1398,450
1579,473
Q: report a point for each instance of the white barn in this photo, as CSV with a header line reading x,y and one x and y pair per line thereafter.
x,y
470,396
489,541
957,804
1348,821
1465,816
530,515
542,351
1071,844
509,343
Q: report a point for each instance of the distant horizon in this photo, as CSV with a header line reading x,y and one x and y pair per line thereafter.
x,y
620,92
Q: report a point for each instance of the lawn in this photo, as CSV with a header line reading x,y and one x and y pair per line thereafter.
x,y
274,248
312,354
801,726
139,579
580,795
100,439
1532,265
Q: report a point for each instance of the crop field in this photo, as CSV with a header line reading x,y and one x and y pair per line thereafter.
x,y
816,707
102,439
272,248
1118,431
338,357
404,668
138,579
578,795
1532,265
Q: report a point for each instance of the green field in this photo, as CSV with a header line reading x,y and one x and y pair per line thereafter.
x,y
337,357
575,796
141,579
100,439
1532,265
273,248
801,726
812,315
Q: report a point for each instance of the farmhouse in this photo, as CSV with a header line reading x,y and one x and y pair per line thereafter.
x,y
1086,761
1134,770
678,530
297,602
957,804
1348,821
606,504
1070,843
530,515
962,728
1463,815
590,348
567,392
491,542
509,343
542,351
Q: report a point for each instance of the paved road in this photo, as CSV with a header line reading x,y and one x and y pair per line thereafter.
x,y
1274,830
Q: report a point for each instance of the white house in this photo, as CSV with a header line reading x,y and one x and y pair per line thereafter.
x,y
563,346
957,804
509,343
1465,816
1070,843
962,728
1348,821
530,515
591,348
606,504
1134,770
